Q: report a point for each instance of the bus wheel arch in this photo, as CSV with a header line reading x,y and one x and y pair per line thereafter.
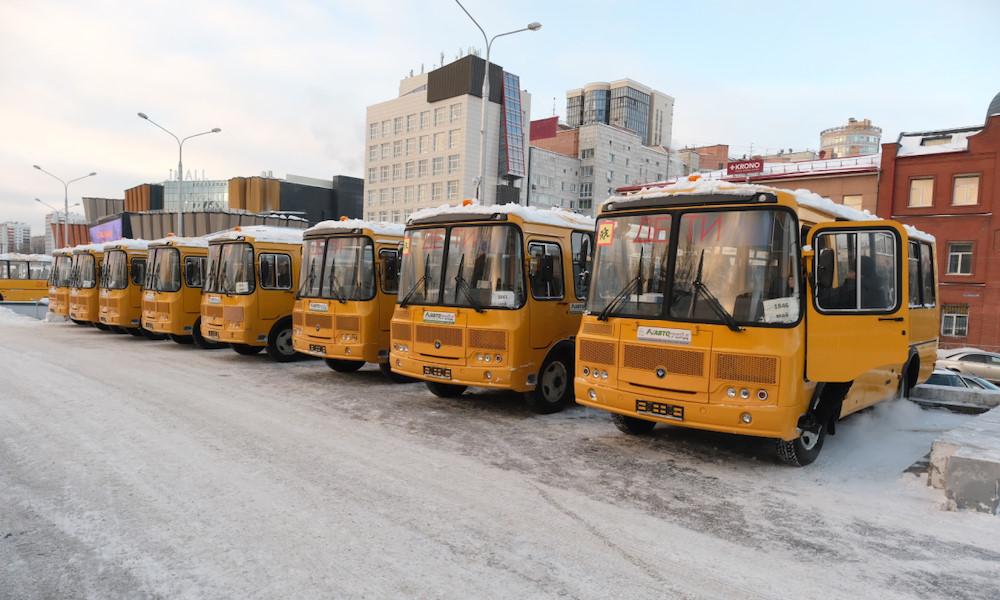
x,y
446,390
554,390
200,340
246,349
909,374
393,376
344,366
279,341
632,425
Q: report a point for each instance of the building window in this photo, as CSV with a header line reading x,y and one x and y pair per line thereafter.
x,y
425,119
422,168
371,216
395,216
437,165
397,195
373,152
587,153
452,192
439,141
853,201
439,115
587,171
955,320
372,196
411,143
408,194
586,190
411,169
453,162
373,131
385,151
383,196
966,190
922,192
960,258
437,191
611,157
384,173
372,175
411,122
397,148
386,128
422,145
611,175
453,136
382,215
397,125
397,171
456,113
421,193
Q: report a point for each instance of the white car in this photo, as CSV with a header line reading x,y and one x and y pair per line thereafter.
x,y
971,361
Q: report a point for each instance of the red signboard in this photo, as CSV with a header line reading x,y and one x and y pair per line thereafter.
x,y
745,167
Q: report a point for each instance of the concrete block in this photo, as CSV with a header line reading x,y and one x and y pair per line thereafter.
x,y
965,462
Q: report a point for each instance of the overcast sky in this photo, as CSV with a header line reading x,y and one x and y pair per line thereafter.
x,y
288,82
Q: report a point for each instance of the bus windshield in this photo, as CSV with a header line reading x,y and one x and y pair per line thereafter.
x,y
476,266
230,269
341,268
84,271
116,270
164,270
730,267
62,271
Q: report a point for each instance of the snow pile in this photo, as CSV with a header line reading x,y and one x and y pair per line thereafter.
x,y
127,244
913,144
28,257
262,233
182,242
347,225
559,217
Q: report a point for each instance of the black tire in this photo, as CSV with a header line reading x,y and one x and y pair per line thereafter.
x,y
803,450
279,341
446,390
344,366
153,335
393,376
117,329
202,341
136,331
180,339
246,349
554,390
632,425
81,323
102,326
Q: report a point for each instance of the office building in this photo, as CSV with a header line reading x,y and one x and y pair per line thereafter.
x,y
854,139
626,104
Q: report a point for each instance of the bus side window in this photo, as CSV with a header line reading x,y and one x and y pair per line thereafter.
x,y
138,272
582,245
390,271
862,271
194,267
283,271
545,272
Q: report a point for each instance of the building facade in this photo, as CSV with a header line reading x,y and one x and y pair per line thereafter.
x,y
854,139
947,183
423,148
626,104
15,237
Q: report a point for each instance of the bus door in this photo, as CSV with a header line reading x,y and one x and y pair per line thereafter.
x,y
858,316
545,281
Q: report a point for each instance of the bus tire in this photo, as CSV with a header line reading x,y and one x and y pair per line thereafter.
x,y
247,349
392,376
136,331
152,335
344,366
446,390
81,323
632,425
102,326
279,341
180,339
117,329
803,450
200,340
554,390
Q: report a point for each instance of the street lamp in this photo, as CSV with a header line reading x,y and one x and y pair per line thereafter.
x,y
65,199
534,26
180,169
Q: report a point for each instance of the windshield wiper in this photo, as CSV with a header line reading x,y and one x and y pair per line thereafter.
x,y
634,284
422,279
336,290
700,287
462,284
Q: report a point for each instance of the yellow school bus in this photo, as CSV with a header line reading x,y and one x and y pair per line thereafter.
x,y
489,297
249,292
88,261
751,310
171,303
120,301
347,293
60,280
24,277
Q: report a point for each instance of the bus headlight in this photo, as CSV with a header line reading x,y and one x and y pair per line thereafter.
x,y
592,394
762,395
731,392
604,374
744,393
497,358
479,357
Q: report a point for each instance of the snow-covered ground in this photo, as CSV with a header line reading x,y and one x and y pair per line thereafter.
x,y
132,468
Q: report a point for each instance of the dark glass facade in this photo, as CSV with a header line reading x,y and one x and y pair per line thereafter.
x,y
512,127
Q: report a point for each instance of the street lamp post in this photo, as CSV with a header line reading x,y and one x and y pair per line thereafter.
x,y
65,199
180,168
534,26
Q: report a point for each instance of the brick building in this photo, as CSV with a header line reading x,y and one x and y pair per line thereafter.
x,y
947,183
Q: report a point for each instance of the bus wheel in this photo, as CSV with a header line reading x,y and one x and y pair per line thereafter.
x,y
803,450
180,339
393,376
555,385
102,326
137,332
200,340
81,323
632,425
246,349
344,366
117,329
279,341
446,390
153,335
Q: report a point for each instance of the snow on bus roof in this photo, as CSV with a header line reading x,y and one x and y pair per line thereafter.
x,y
262,233
183,241
719,187
28,257
127,244
376,227
88,248
551,216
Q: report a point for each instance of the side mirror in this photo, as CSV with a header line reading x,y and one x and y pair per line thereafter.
x,y
824,268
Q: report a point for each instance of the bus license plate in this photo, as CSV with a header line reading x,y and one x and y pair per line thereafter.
x,y
317,348
659,409
213,334
439,372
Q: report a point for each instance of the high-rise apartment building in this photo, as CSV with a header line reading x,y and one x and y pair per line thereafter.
x,y
15,237
626,104
423,148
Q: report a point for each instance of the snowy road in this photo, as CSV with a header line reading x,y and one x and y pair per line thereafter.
x,y
139,469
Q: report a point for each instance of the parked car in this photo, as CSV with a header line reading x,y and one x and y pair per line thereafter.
x,y
947,377
971,361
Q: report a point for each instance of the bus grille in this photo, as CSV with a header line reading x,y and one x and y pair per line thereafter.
x,y
401,332
597,328
213,312
348,323
312,321
232,313
488,339
448,336
752,369
602,353
678,362
163,307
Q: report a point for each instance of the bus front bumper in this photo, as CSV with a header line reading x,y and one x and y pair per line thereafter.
x,y
488,375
